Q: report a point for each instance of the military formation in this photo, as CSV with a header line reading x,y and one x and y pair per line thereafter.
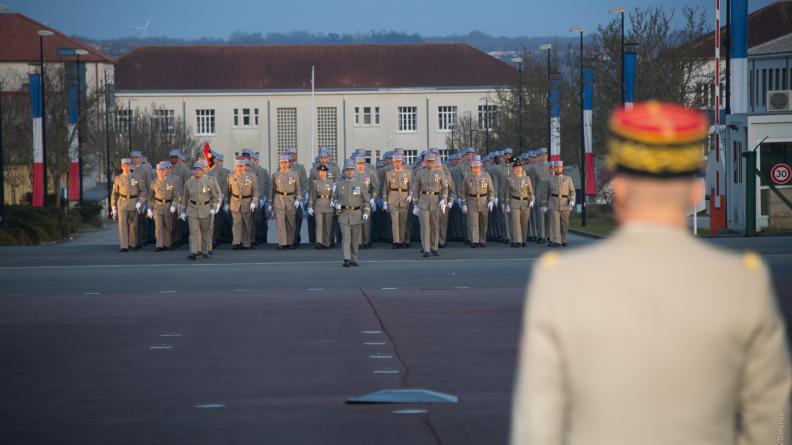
x,y
499,197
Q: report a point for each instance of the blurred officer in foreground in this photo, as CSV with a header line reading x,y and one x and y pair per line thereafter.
x,y
659,338
128,197
163,200
351,200
202,201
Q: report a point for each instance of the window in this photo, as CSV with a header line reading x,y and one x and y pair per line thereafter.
x,y
408,119
487,116
123,119
366,116
287,129
327,129
445,153
165,120
446,118
246,117
409,156
205,122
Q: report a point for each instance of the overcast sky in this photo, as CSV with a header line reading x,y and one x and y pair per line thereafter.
x,y
205,18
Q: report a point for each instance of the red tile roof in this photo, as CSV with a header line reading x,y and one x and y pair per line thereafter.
x,y
288,67
20,42
766,24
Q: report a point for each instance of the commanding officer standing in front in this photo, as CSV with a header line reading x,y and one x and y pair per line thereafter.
x,y
202,199
163,201
478,199
397,198
320,193
519,200
351,200
659,338
430,186
129,195
558,199
285,197
242,201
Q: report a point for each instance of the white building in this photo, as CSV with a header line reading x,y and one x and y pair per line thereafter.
x,y
375,97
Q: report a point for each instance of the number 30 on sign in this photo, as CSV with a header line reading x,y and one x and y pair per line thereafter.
x,y
781,174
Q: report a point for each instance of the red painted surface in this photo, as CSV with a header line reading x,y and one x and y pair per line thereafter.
x,y
74,181
38,184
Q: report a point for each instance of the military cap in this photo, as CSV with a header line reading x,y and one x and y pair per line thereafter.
x,y
398,157
348,163
135,154
388,155
558,163
656,139
469,150
433,150
360,159
174,153
291,150
324,152
284,158
242,161
541,150
517,164
430,156
167,164
476,162
218,156
380,163
254,155
246,152
322,168
198,165
508,151
126,161
162,166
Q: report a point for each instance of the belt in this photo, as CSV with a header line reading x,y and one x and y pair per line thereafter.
x,y
349,208
430,193
162,201
521,199
398,190
323,196
241,197
559,196
127,196
478,196
200,203
284,193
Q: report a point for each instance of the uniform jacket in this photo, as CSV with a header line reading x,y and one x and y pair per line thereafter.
x,y
333,173
243,189
519,192
562,187
352,193
429,188
477,192
201,195
397,188
165,193
128,190
319,195
369,178
287,182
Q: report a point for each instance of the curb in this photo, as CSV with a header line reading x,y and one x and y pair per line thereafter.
x,y
586,234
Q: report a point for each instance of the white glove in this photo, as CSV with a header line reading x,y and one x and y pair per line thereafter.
x,y
252,207
149,214
338,206
508,209
459,202
183,216
450,204
385,205
227,208
415,210
571,205
115,213
296,204
334,187
365,217
310,211
138,206
262,202
409,198
531,204
173,209
269,209
503,207
496,201
443,205
464,209
212,212
490,205
544,209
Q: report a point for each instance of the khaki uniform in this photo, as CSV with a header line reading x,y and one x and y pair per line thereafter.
x,y
319,195
538,173
200,195
369,179
221,224
477,192
442,236
519,197
165,193
128,190
243,190
429,188
395,191
286,189
558,193
651,337
352,195
182,171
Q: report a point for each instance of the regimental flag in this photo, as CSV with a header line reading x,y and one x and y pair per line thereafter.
x,y
207,152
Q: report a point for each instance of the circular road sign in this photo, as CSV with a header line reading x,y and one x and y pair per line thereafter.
x,y
781,174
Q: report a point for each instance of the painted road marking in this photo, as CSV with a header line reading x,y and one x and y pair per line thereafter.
x,y
371,332
461,287
210,406
390,288
14,295
93,293
161,347
315,288
409,411
172,334
167,291
380,356
241,290
386,371
374,343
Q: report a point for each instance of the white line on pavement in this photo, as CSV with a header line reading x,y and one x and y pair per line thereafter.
x,y
167,291
210,405
93,293
371,332
241,290
386,371
380,356
161,347
390,288
315,288
374,343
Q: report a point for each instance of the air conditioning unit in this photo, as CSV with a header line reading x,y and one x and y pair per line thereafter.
x,y
779,101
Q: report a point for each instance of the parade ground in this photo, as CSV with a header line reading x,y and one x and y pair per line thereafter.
x,y
266,347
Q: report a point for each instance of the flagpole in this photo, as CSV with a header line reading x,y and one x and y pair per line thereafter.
x,y
313,112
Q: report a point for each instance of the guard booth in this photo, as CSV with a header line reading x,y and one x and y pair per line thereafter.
x,y
759,201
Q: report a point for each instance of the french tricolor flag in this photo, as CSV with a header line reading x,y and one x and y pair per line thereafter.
x,y
588,96
38,150
74,165
555,120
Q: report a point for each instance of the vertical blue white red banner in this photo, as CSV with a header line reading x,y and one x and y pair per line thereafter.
x,y
34,83
738,54
555,120
73,129
588,96
630,69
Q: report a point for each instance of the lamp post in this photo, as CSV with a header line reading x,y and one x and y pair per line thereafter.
x,y
108,103
43,33
518,61
620,10
549,48
79,52
582,164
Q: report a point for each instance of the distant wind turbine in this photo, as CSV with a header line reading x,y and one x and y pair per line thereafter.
x,y
143,29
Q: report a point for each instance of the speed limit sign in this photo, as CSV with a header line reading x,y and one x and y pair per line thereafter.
x,y
781,174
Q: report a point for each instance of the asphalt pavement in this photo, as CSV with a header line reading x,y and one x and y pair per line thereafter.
x,y
266,347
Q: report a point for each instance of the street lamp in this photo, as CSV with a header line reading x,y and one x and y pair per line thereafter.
x,y
620,10
43,33
549,48
519,61
582,164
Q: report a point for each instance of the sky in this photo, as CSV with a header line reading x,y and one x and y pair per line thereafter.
x,y
192,19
